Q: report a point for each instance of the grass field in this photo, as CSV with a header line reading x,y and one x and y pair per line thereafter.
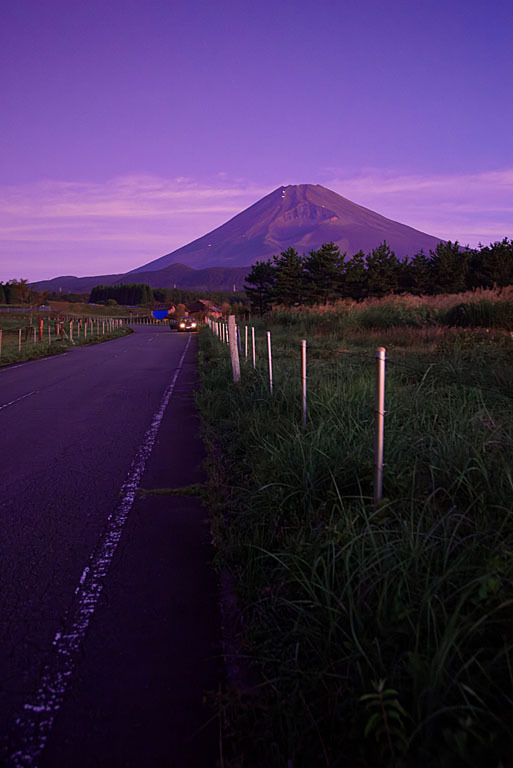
x,y
372,637
21,339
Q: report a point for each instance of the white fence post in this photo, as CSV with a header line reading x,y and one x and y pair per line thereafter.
x,y
246,342
303,378
19,340
253,345
379,425
234,350
270,358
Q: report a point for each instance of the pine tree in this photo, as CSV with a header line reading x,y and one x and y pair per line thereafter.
x,y
261,281
356,279
11,292
492,265
323,273
419,278
450,268
383,270
290,284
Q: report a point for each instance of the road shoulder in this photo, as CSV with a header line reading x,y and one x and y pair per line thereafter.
x,y
140,692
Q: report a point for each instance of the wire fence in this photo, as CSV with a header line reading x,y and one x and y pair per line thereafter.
x,y
257,352
44,333
230,333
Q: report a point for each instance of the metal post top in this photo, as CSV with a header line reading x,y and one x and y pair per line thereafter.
x,y
380,353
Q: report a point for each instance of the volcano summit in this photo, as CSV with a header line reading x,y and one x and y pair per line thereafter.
x,y
303,216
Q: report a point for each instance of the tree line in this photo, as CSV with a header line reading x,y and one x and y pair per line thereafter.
x,y
325,274
187,296
142,293
126,293
20,292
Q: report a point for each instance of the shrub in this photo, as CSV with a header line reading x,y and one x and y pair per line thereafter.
x,y
484,313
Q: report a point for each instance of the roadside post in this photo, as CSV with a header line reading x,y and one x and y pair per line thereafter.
x,y
0,342
234,349
379,425
270,359
253,345
19,340
246,342
303,379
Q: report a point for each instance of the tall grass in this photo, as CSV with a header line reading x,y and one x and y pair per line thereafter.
x,y
375,637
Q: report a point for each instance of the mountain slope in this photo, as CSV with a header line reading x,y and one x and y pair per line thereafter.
x,y
303,216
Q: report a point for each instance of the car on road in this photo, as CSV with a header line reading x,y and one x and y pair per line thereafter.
x,y
187,324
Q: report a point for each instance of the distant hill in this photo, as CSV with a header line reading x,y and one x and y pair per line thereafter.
x,y
213,279
73,284
303,216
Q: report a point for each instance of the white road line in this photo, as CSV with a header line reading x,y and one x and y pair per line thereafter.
x,y
6,405
34,726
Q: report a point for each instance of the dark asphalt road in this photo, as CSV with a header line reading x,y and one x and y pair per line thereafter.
x,y
71,428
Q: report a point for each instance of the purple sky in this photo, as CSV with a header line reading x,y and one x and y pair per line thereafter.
x,y
130,127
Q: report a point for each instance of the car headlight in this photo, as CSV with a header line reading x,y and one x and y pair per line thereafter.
x,y
193,325
182,325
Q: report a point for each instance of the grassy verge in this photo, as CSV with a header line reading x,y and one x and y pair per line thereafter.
x,y
374,637
10,352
